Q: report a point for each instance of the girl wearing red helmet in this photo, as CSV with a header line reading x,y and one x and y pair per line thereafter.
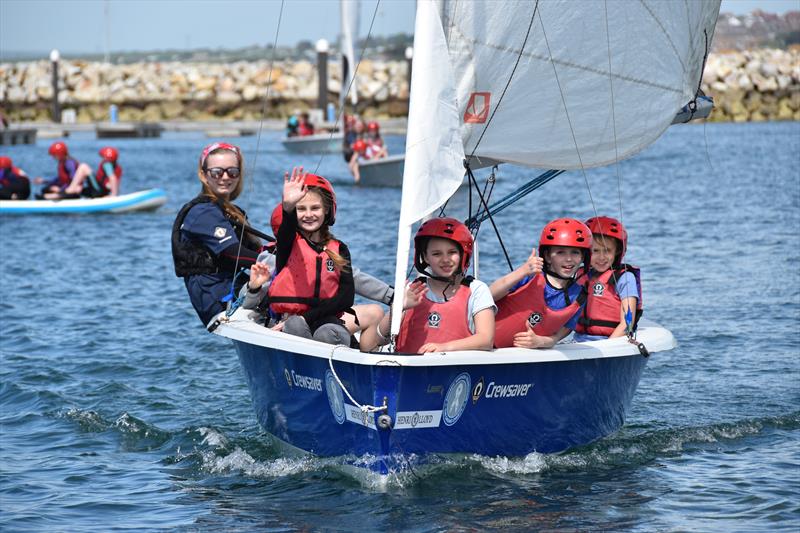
x,y
14,183
357,149
106,181
206,247
313,286
540,302
375,148
614,296
69,172
446,310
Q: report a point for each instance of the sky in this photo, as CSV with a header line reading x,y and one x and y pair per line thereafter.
x,y
78,26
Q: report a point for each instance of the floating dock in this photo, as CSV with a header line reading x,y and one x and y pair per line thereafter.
x,y
18,136
128,130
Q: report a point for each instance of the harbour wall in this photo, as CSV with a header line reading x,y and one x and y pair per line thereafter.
x,y
753,85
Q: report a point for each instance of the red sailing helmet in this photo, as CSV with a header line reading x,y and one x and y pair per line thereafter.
x,y
442,228
109,154
359,146
5,162
277,218
373,126
58,150
610,227
312,180
567,232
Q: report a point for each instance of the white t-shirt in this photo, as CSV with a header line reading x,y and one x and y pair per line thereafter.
x,y
480,298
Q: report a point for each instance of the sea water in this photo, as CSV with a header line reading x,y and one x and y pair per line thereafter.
x,y
119,411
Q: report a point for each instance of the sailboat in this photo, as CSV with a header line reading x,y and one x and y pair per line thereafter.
x,y
333,142
550,84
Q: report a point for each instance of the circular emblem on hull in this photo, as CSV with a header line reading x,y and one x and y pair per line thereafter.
x,y
456,399
335,397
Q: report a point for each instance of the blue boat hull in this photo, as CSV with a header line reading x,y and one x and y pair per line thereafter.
x,y
487,409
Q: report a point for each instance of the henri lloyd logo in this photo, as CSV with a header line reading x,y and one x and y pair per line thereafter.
x,y
434,320
329,265
418,419
477,108
535,318
598,289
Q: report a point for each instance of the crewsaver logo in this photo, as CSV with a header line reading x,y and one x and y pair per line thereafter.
x,y
598,289
434,319
477,390
329,265
477,108
535,318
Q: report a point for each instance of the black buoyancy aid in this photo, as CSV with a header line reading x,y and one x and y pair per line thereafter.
x,y
308,277
528,304
435,321
191,257
601,315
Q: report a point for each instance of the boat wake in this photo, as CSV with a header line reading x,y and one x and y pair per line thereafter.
x,y
209,451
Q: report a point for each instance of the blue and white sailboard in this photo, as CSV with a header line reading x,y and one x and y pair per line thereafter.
x,y
147,200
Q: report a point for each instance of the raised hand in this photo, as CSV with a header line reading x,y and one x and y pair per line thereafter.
x,y
294,188
527,338
533,265
415,292
259,275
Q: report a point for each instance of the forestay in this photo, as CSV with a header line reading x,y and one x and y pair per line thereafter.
x,y
550,84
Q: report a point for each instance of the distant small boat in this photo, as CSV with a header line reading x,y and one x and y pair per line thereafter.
x,y
319,143
147,200
386,172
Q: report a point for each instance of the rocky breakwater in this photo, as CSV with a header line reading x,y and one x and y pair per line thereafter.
x,y
754,85
192,91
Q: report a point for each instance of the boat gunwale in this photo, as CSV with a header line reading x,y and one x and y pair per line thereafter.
x,y
147,199
241,328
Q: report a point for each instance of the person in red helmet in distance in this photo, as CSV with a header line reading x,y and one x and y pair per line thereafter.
x,y
375,148
446,310
14,183
539,303
69,170
105,182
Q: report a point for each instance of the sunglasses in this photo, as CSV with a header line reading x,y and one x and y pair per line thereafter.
x,y
217,172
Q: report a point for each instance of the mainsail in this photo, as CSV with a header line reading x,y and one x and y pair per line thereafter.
x,y
349,12
556,84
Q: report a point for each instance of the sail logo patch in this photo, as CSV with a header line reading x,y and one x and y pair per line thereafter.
x,y
535,318
598,289
335,397
456,399
477,108
329,265
434,320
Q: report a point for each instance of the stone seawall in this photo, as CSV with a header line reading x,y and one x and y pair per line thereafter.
x,y
753,85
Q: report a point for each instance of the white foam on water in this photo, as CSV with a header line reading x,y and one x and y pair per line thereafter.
x,y
212,437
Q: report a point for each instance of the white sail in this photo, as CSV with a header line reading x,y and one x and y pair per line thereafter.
x,y
595,82
434,151
349,11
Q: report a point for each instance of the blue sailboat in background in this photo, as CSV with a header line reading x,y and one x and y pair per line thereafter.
x,y
548,84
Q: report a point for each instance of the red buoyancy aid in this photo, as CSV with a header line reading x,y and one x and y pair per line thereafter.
x,y
308,277
527,304
601,315
435,322
64,175
102,177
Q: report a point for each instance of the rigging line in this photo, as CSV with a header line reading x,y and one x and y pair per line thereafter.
x,y
352,80
508,83
515,196
569,121
483,203
258,137
616,147
613,114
